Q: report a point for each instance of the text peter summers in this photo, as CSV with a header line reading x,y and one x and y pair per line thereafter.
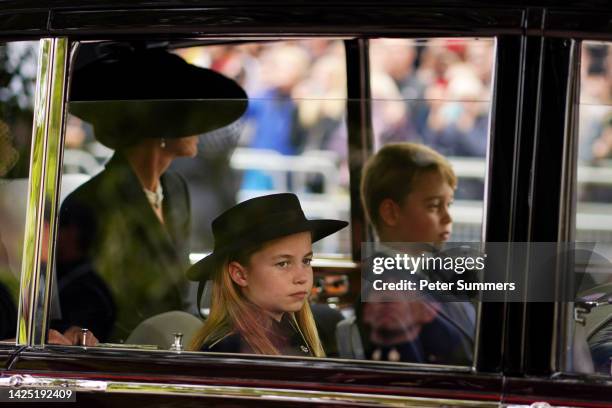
x,y
424,284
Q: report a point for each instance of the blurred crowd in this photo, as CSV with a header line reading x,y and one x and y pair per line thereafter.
x,y
595,99
432,91
595,126
435,92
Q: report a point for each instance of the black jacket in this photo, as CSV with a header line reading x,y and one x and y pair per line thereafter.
x,y
120,243
283,335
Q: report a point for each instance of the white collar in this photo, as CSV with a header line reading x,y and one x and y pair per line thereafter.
x,y
155,197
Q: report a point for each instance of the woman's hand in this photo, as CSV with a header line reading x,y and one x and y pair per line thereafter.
x,y
74,336
55,337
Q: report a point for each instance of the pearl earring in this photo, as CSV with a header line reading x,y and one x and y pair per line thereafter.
x,y
163,143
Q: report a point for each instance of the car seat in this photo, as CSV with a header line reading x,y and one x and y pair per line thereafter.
x,y
159,330
349,339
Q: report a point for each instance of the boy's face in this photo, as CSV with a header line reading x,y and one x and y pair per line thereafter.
x,y
423,215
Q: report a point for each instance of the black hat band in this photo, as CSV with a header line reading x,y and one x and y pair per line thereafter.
x,y
283,216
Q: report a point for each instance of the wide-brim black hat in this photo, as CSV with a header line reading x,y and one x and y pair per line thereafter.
x,y
152,94
257,221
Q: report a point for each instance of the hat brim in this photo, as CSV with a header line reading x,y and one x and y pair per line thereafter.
x,y
205,268
124,123
130,96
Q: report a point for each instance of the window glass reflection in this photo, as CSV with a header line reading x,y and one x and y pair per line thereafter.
x,y
123,256
592,340
425,185
121,263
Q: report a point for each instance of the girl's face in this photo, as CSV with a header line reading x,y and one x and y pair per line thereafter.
x,y
278,277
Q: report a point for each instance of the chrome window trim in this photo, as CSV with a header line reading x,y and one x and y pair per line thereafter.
x,y
485,200
45,165
563,328
254,359
29,275
53,167
250,393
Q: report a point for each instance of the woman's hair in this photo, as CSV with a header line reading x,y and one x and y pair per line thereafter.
x,y
231,312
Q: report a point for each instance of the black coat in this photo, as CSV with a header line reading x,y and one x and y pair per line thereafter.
x,y
110,236
283,335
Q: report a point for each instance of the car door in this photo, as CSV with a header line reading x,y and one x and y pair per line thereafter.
x,y
509,179
572,196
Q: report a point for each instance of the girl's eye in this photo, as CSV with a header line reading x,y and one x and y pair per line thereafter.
x,y
307,261
283,264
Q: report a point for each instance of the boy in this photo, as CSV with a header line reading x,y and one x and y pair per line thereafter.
x,y
406,192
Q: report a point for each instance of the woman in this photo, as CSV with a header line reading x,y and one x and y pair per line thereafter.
x,y
262,276
122,247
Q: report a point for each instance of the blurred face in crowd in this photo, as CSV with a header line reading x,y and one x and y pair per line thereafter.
x,y
423,215
393,56
284,66
278,277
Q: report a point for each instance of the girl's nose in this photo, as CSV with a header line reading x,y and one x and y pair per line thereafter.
x,y
302,273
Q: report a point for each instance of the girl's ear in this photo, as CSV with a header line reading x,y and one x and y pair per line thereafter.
x,y
388,212
238,273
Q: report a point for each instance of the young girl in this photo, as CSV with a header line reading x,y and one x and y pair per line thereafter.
x,y
262,277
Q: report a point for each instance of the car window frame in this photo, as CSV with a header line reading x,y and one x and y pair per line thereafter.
x,y
596,30
496,344
38,185
360,139
516,138
43,192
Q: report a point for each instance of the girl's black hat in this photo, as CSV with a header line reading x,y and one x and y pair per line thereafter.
x,y
256,221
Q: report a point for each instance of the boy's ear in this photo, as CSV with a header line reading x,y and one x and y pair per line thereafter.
x,y
238,273
388,212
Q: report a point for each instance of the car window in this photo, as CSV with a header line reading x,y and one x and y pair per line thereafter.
x,y
17,84
437,92
591,346
290,138
424,185
124,244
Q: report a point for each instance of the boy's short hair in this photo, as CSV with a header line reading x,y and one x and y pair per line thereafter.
x,y
391,173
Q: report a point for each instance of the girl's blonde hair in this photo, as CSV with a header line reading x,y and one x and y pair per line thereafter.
x,y
232,313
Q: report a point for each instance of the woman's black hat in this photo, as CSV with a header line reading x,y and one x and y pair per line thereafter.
x,y
133,95
255,222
